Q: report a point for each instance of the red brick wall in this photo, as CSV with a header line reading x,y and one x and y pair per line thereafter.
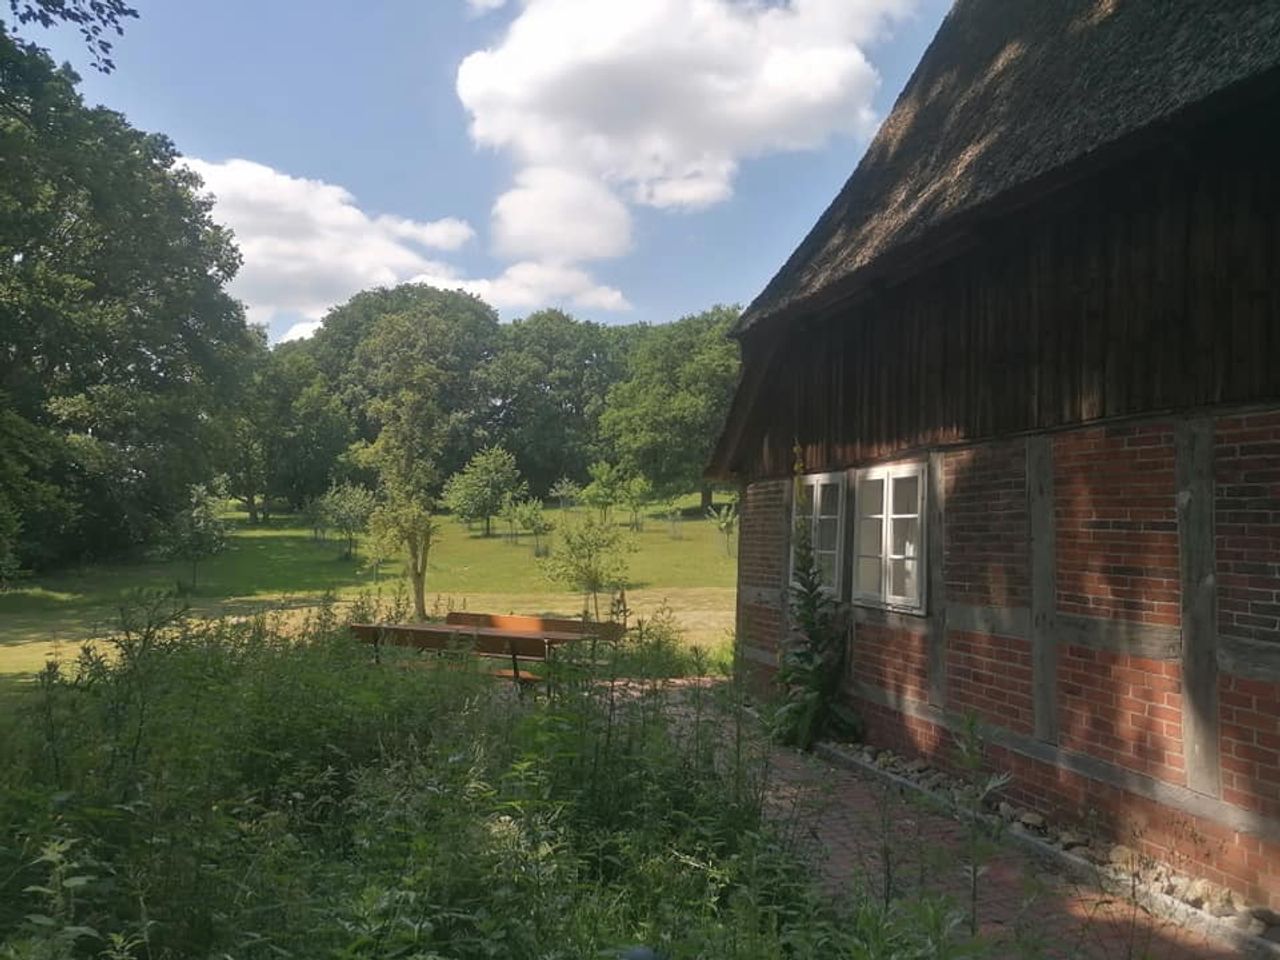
x,y
986,560
763,535
1194,845
1249,731
760,625
992,677
1117,524
1126,710
893,660
1247,525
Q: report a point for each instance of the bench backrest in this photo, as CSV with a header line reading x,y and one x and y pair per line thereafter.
x,y
516,622
427,637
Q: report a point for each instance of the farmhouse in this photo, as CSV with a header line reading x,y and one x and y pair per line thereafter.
x,y
1022,382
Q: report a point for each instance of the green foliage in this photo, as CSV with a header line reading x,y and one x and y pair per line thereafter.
x,y
663,418
532,519
94,18
226,789
636,494
348,507
812,661
605,489
403,522
590,558
119,347
479,491
199,531
566,491
546,386
725,518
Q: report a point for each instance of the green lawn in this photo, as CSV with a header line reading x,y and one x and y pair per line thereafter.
x,y
281,564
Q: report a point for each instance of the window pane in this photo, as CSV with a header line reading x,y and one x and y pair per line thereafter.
x,y
906,494
829,501
827,568
906,537
871,498
869,575
828,533
903,579
871,537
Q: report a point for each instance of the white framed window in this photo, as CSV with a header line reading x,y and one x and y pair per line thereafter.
x,y
820,506
888,539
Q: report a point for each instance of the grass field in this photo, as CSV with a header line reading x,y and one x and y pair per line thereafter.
x,y
281,564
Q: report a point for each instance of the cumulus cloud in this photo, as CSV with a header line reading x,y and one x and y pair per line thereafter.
x,y
664,98
560,216
528,285
307,245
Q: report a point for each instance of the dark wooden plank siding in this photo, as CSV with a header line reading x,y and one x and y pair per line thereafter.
x,y
1155,289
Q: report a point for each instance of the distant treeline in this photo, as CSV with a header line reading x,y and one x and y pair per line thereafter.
x,y
127,373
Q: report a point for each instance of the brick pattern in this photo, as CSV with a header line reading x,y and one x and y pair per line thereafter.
x,y
1247,525
894,661
763,536
887,727
1249,742
1126,710
992,677
1195,845
986,562
1198,846
1116,523
760,625
762,565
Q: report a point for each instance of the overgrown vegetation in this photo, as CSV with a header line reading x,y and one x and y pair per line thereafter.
x,y
226,789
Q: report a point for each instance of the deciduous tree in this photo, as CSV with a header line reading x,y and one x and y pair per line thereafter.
x,y
479,490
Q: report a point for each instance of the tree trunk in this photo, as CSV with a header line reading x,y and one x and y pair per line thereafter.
x,y
251,505
487,530
194,561
418,575
706,497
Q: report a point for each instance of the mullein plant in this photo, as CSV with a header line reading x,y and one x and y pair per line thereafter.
x,y
813,654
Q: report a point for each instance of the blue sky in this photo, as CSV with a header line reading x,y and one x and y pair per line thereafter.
x,y
623,159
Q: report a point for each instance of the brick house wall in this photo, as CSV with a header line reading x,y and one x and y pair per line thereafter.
x,y
1089,705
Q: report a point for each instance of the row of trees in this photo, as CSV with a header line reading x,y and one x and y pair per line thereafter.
x,y
128,375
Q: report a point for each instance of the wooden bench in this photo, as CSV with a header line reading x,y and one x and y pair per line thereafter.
x,y
608,632
519,639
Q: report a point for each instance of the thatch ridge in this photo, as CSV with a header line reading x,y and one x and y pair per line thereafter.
x,y
1008,93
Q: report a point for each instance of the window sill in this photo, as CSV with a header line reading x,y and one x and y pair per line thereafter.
x,y
915,621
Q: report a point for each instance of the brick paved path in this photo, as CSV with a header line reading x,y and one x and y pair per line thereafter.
x,y
843,817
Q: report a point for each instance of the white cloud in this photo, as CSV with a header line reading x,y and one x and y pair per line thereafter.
x,y
560,216
528,285
301,330
485,6
307,245
666,97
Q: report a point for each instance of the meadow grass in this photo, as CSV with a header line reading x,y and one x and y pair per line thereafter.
x,y
282,564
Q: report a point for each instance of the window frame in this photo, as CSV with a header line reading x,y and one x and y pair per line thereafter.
x,y
816,480
888,510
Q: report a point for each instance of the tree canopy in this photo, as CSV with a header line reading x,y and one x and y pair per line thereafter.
x,y
128,374
118,343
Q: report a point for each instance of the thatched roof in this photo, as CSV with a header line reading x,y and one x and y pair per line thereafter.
x,y
1012,97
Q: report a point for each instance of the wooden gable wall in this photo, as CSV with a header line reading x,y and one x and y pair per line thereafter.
x,y
1156,287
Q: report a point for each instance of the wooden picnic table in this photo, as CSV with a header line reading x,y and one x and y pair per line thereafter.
x,y
520,639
